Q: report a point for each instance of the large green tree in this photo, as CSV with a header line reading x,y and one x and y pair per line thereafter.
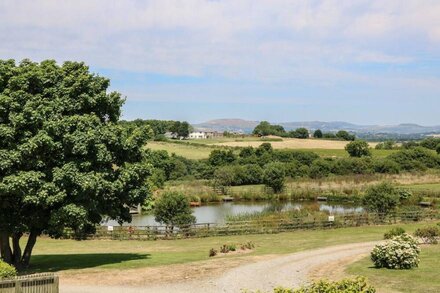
x,y
64,160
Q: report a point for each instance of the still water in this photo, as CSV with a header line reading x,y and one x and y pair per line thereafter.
x,y
217,213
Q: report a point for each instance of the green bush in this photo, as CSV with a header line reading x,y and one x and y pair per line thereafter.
x,y
402,252
394,232
381,198
357,285
429,235
7,271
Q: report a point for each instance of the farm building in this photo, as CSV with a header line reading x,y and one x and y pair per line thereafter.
x,y
204,134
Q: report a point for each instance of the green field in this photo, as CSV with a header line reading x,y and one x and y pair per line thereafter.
x,y
189,151
60,255
425,278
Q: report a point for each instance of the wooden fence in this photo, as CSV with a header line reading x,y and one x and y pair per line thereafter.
x,y
40,283
256,226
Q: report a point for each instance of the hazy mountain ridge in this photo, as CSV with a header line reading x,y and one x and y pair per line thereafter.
x,y
332,126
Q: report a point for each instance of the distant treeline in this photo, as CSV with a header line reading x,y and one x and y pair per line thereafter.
x,y
160,127
265,128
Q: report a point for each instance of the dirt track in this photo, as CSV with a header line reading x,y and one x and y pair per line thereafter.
x,y
288,270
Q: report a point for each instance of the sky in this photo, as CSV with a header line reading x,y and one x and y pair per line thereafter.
x,y
365,62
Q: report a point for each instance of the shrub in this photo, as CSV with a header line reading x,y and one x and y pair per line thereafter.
x,y
274,176
247,245
6,270
357,285
402,252
381,198
429,235
394,232
173,209
212,252
358,148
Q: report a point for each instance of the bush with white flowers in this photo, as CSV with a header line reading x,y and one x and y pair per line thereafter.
x,y
402,252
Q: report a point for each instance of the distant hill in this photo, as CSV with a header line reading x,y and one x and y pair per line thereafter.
x,y
333,126
221,125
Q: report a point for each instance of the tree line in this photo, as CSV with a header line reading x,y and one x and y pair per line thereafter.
x,y
264,128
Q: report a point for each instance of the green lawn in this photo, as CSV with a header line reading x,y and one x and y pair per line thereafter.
x,y
425,278
60,255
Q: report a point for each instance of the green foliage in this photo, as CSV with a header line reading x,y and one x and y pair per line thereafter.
x,y
381,198
358,148
301,133
317,133
417,158
393,233
357,285
344,135
265,128
223,178
386,166
6,270
402,252
65,162
387,145
437,149
430,143
221,157
173,209
274,176
429,235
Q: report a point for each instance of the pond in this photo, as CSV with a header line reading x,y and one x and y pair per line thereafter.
x,y
217,213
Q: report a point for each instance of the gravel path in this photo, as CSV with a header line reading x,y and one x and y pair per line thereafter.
x,y
287,270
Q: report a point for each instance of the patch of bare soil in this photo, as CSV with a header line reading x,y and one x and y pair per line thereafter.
x,y
335,270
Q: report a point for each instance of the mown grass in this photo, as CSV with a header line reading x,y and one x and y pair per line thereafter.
x,y
60,255
425,278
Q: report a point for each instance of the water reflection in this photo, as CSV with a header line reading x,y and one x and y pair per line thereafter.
x,y
217,213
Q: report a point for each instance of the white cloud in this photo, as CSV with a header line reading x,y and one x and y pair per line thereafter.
x,y
268,41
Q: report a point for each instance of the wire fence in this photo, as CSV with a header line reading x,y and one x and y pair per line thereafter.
x,y
257,226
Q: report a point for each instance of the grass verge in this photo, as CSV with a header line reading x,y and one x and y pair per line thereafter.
x,y
425,278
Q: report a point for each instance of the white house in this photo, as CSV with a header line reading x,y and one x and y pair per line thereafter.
x,y
197,135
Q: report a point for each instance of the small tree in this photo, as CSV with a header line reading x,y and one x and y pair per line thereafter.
x,y
317,133
381,198
173,210
223,178
274,176
358,148
342,134
300,133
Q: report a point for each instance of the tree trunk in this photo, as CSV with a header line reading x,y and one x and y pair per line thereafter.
x,y
16,257
28,249
5,247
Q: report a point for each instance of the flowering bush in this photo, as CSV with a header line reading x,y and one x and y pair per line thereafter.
x,y
6,271
357,285
402,252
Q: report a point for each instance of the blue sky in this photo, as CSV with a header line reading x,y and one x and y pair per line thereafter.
x,y
367,62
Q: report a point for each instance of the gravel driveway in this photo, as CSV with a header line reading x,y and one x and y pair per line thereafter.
x,y
285,270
